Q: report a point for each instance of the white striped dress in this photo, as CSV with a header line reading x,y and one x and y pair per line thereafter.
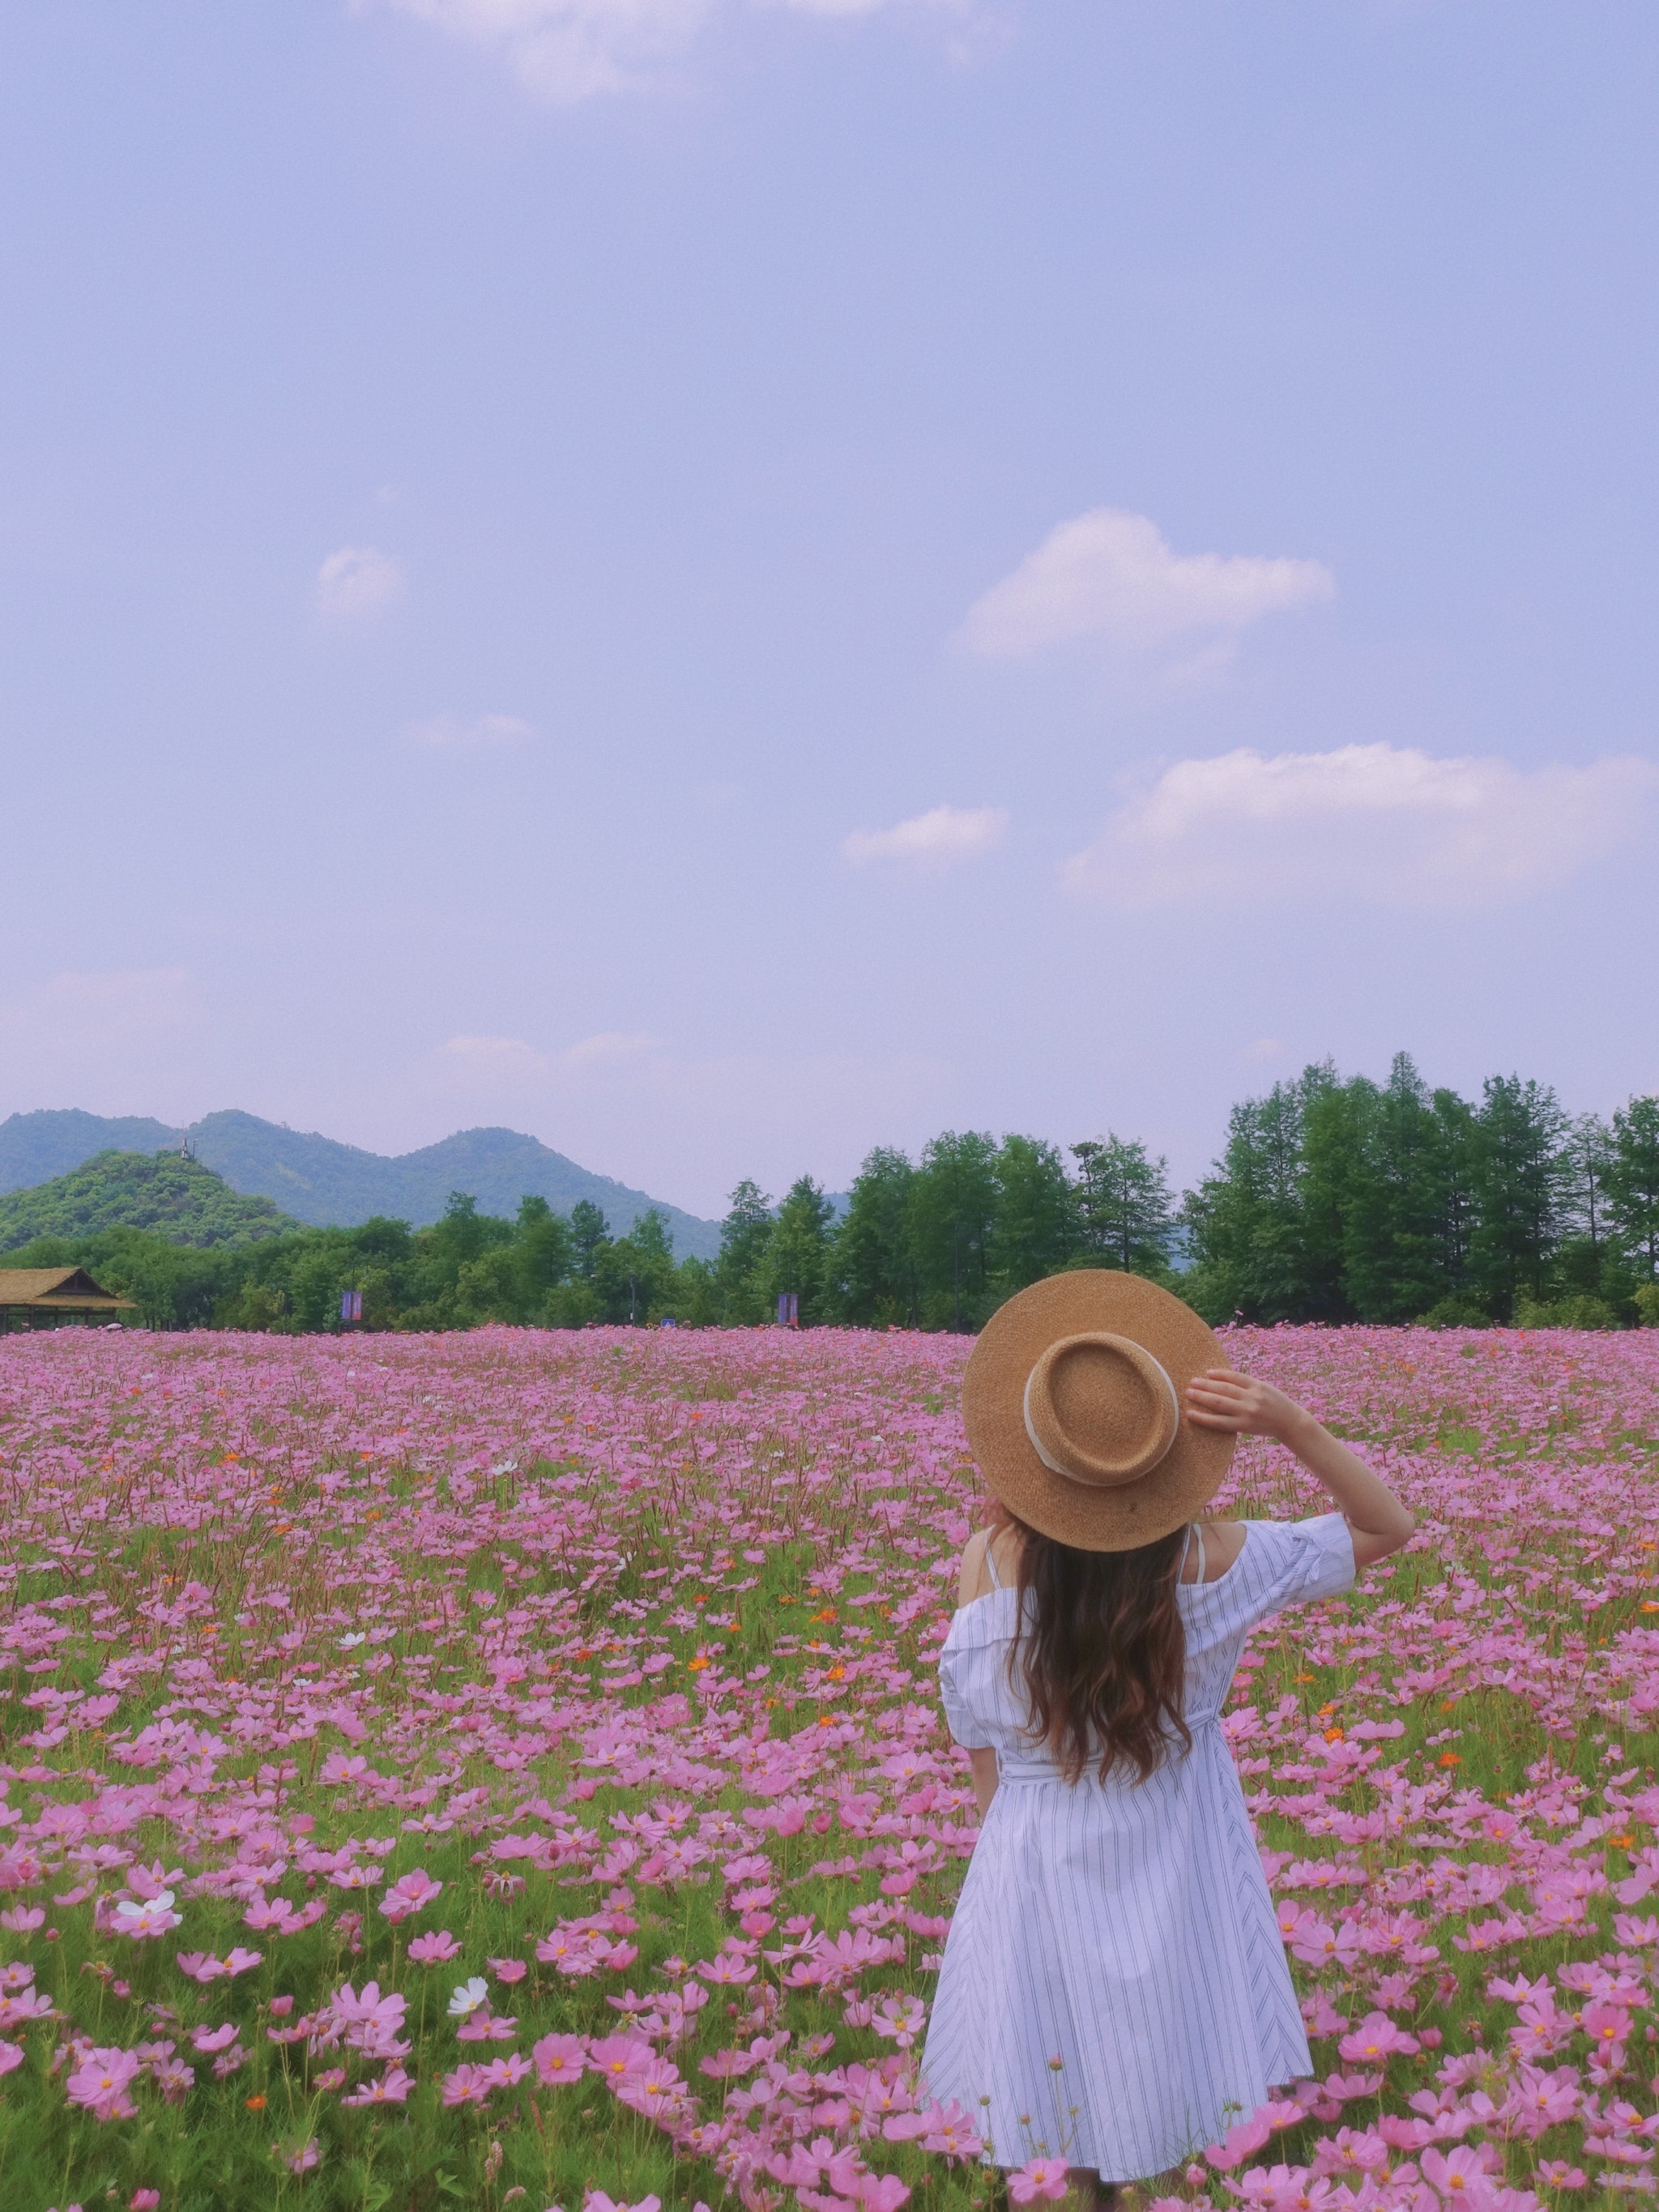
x,y
1115,1990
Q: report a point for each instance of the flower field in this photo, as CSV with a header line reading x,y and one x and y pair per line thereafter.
x,y
504,1769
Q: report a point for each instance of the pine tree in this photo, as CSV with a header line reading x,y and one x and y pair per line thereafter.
x,y
798,1250
953,1207
1124,1207
1632,1181
1033,1230
871,1276
745,1235
1520,1190
1245,1218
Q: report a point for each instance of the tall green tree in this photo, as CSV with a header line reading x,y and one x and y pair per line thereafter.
x,y
1521,1183
1632,1181
797,1254
590,1232
1126,1210
546,1246
1245,1218
745,1233
953,1209
1033,1230
871,1278
634,1275
1397,1262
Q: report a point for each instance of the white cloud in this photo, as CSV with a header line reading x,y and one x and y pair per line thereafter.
x,y
449,733
1110,575
1377,822
610,1049
939,839
496,1055
357,581
567,50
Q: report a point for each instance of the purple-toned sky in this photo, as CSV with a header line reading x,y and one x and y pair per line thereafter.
x,y
725,581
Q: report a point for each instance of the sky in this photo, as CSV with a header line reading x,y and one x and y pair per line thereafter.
x,y
728,582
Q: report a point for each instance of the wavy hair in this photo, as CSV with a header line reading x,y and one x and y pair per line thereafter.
x,y
1102,1653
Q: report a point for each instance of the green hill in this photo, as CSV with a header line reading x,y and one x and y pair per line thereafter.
x,y
176,1198
326,1184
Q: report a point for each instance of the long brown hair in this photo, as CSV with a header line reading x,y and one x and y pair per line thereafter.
x,y
1103,1652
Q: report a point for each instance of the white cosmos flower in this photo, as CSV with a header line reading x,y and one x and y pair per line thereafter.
x,y
350,1643
468,1996
142,1909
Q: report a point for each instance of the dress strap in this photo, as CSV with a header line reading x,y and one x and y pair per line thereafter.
x,y
1193,1533
991,1561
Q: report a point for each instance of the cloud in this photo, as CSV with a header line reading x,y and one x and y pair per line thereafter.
x,y
1110,575
568,51
356,581
939,839
449,733
610,1049
1378,823
496,1055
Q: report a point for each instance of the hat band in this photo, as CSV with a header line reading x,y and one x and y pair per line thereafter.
x,y
1147,1360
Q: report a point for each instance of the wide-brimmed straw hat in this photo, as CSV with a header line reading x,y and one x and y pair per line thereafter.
x,y
1073,1400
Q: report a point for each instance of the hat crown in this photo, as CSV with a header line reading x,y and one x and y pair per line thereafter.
x,y
1100,1409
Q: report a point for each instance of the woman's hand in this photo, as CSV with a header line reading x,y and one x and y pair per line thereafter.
x,y
1223,1399
1378,1522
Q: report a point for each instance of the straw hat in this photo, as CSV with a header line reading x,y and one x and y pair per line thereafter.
x,y
1073,1399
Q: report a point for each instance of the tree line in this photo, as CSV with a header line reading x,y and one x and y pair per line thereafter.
x,y
1333,1201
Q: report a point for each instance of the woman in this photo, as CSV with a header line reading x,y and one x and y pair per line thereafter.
x,y
1114,1991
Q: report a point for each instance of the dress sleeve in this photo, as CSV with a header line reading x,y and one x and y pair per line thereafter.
x,y
956,1671
1290,1561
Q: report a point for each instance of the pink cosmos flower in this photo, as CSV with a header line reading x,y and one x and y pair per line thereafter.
x,y
900,2019
434,1950
303,2160
467,2085
596,2201
1239,2142
11,2055
391,2087
148,1916
1458,2175
559,2058
1039,2178
1377,2038
411,1893
100,2083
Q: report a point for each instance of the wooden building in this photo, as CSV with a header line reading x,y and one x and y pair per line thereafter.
x,y
56,1297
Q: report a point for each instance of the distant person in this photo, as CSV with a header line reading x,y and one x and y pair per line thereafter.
x,y
1114,1992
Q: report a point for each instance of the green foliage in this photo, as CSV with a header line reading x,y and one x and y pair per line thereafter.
x,y
1350,1201
876,1279
1126,1213
177,1198
1632,1181
1333,1201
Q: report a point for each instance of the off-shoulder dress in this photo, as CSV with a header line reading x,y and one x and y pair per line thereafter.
x,y
1114,1990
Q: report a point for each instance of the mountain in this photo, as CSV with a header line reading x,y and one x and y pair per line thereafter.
x,y
178,1199
35,1147
318,1180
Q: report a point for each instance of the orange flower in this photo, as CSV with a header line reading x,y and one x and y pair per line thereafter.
x,y
837,1674
698,1664
1449,1759
254,2104
1333,1735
